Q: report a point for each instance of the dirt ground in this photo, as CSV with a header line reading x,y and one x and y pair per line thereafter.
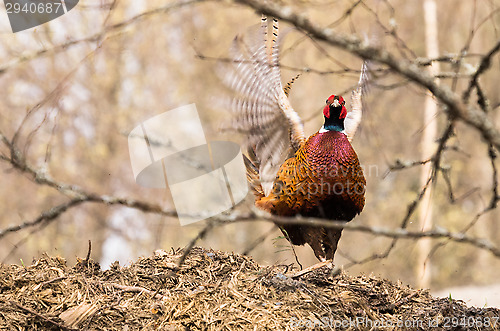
x,y
215,290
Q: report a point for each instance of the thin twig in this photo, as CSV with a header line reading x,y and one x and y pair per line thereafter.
x,y
45,318
135,289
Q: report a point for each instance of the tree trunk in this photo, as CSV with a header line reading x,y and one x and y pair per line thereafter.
x,y
428,146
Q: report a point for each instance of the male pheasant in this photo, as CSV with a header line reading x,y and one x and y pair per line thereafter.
x,y
290,175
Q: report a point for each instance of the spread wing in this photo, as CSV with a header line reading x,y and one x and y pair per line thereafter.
x,y
261,109
353,117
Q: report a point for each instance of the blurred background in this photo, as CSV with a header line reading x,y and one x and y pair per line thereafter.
x,y
74,88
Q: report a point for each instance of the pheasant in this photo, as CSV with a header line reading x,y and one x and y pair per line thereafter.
x,y
290,175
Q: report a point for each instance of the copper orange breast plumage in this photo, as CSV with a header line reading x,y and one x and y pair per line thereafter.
x,y
324,179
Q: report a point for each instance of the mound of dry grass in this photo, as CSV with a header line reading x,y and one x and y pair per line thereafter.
x,y
215,290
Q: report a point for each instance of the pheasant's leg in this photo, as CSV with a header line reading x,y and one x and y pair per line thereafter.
x,y
318,249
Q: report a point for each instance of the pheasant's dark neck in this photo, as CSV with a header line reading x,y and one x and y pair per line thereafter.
x,y
334,124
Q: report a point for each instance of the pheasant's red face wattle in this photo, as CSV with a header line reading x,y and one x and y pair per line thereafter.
x,y
343,113
326,111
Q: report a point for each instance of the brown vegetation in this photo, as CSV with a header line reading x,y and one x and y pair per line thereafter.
x,y
215,290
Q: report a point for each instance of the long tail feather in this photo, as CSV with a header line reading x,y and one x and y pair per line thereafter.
x,y
288,85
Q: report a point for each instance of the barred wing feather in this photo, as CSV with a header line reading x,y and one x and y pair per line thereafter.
x,y
261,110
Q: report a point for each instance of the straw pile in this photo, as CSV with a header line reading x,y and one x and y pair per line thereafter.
x,y
215,290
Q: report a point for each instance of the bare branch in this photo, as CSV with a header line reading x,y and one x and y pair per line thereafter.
x,y
45,216
483,66
396,233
